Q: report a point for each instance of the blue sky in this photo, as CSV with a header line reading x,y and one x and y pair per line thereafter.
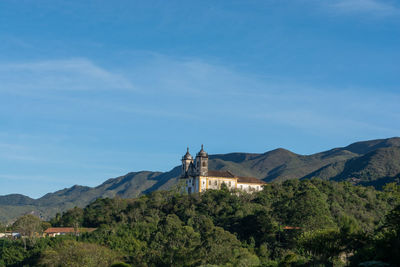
x,y
91,90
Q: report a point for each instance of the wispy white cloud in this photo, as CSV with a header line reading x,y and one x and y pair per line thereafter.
x,y
189,90
59,75
13,152
35,178
373,7
11,146
14,41
203,89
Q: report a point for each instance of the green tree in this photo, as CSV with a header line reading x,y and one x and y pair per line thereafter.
x,y
175,243
71,253
104,211
388,244
70,218
307,208
393,220
29,226
260,226
12,253
324,245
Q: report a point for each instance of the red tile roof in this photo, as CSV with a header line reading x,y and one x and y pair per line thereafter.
x,y
250,180
225,174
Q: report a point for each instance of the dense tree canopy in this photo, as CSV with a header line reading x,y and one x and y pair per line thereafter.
x,y
71,253
294,223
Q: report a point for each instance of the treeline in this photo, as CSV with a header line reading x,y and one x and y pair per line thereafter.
x,y
294,223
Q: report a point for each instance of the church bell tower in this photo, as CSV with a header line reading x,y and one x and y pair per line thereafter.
x,y
187,164
202,163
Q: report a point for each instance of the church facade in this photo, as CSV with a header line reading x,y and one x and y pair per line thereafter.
x,y
199,178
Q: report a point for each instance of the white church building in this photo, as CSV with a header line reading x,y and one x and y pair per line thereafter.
x,y
199,178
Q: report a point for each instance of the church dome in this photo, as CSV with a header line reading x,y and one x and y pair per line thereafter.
x,y
202,153
187,156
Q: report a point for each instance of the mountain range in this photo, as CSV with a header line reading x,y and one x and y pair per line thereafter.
x,y
374,162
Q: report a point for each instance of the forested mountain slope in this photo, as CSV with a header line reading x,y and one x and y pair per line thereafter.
x,y
372,162
377,168
291,223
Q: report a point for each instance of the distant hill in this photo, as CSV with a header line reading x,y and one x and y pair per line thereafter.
x,y
16,199
128,186
375,168
374,162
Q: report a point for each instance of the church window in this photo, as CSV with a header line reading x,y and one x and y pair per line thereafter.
x,y
215,183
204,163
209,182
230,183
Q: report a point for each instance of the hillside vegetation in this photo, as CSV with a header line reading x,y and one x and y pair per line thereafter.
x,y
294,223
375,163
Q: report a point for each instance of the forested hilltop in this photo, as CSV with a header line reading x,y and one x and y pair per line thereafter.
x,y
374,162
291,223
